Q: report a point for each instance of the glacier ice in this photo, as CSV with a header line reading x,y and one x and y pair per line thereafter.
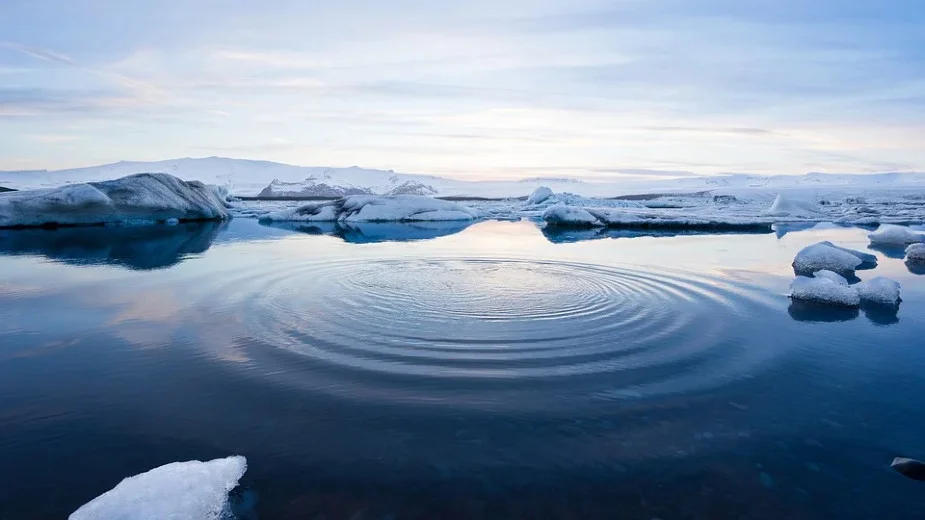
x,y
792,206
825,256
179,490
539,195
825,287
890,234
141,198
879,290
372,208
569,216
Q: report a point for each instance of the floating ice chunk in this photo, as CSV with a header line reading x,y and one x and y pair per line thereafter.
x,y
826,256
562,215
539,195
831,276
895,235
146,197
915,253
868,260
372,208
790,206
825,287
879,290
180,490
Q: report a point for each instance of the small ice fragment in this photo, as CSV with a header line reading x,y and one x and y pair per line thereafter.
x,y
915,253
879,290
823,256
181,490
825,287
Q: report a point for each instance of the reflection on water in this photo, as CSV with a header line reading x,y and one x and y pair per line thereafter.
x,y
916,267
558,235
824,313
891,251
814,312
493,371
373,232
140,248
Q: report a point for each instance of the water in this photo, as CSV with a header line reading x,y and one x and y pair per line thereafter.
x,y
433,371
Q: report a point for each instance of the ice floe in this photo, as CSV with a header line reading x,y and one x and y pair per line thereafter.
x,y
179,490
141,198
879,290
825,287
371,208
915,253
895,235
826,256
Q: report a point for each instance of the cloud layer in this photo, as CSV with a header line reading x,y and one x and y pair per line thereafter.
x,y
480,90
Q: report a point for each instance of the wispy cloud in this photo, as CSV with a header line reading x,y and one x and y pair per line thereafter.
x,y
481,88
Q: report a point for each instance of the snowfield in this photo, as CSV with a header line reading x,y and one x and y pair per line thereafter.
x,y
180,490
370,208
141,198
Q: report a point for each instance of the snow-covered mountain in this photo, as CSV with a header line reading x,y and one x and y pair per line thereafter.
x,y
249,178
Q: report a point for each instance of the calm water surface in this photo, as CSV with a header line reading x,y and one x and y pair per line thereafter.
x,y
444,371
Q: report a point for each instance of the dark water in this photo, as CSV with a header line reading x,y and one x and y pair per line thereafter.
x,y
495,371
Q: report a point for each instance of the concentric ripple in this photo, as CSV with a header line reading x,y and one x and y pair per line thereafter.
x,y
497,330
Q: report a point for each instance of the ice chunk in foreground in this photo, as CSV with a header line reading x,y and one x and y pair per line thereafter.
x,y
790,206
824,256
181,490
894,235
879,290
146,197
372,208
915,253
825,287
562,215
539,195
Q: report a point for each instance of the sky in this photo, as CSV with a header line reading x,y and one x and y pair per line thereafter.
x,y
481,89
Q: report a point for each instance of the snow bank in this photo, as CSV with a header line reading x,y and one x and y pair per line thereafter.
x,y
825,256
180,490
879,290
146,197
371,208
915,253
895,235
791,206
825,287
539,195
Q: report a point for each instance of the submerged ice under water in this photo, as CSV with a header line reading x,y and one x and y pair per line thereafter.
x,y
487,371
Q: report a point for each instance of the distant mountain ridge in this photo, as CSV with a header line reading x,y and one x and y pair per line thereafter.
x,y
246,177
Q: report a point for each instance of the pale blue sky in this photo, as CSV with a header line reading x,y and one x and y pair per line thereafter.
x,y
477,89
